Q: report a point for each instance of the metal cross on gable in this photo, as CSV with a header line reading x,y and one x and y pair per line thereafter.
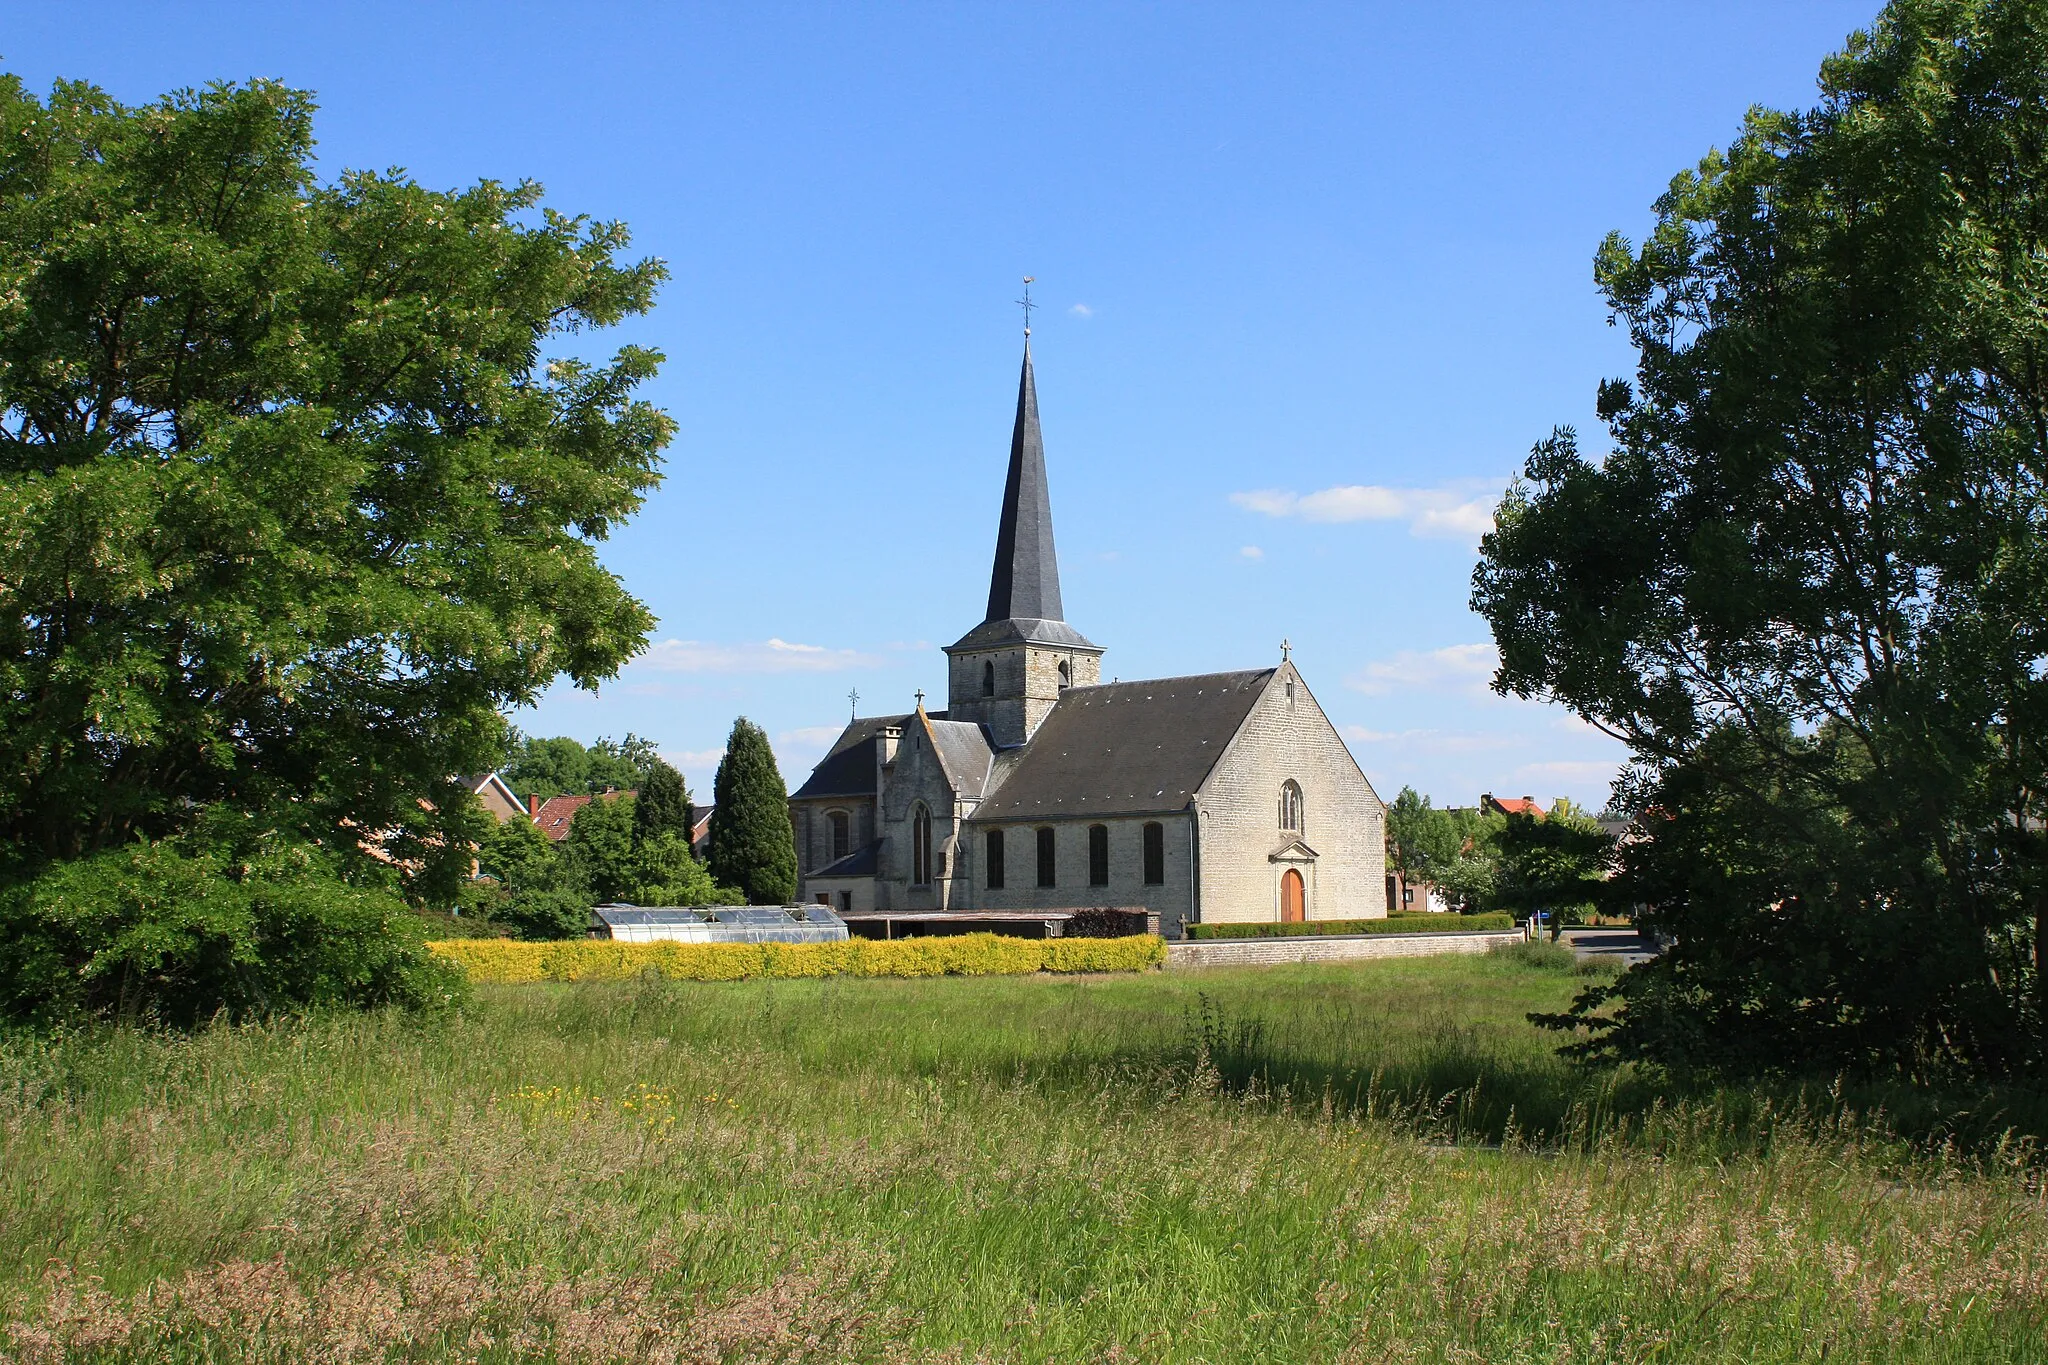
x,y
853,702
1286,651
1027,304
920,699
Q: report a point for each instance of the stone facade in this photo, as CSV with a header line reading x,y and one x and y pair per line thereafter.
x,y
1172,898
1340,849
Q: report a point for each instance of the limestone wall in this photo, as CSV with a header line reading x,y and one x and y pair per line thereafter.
x,y
1273,952
1172,900
1288,737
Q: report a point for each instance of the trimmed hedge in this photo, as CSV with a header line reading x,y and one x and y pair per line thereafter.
x,y
1392,924
502,960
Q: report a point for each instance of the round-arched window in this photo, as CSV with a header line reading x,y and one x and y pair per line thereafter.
x,y
988,679
1066,676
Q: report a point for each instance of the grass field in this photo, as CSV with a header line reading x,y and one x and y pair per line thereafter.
x,y
1364,1163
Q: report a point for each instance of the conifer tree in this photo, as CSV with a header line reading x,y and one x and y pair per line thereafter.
x,y
663,806
752,845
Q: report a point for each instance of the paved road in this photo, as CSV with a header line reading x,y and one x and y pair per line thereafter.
x,y
1625,944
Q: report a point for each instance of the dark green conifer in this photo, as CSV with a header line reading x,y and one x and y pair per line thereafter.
x,y
663,806
752,845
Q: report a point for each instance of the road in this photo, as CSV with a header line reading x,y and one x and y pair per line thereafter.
x,y
1625,944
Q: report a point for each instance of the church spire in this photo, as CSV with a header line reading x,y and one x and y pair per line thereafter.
x,y
1026,581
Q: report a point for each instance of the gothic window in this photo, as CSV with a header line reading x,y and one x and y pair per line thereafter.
x,y
1066,676
921,846
1290,806
842,833
1155,853
1045,859
995,860
1098,855
988,679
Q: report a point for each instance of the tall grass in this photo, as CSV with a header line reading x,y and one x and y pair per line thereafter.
x,y
1377,1162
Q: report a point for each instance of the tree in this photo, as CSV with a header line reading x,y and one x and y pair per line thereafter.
x,y
293,501
539,894
561,766
752,845
663,805
1556,864
1809,585
1450,849
599,847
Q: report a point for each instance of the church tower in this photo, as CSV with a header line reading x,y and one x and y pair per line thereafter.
x,y
1008,672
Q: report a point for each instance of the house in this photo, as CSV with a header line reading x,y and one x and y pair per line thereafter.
x,y
555,814
497,798
1489,804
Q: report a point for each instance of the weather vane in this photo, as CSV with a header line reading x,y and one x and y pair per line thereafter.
x,y
1026,303
853,701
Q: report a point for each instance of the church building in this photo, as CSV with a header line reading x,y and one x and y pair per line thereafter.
x,y
1222,797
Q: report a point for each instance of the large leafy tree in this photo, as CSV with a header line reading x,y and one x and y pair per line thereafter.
x,y
294,499
560,766
753,846
1809,585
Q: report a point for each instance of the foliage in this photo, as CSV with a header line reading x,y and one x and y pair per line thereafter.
x,y
179,931
665,872
662,805
561,766
538,893
1809,586
752,844
1392,924
599,847
952,955
1556,865
292,501
1450,848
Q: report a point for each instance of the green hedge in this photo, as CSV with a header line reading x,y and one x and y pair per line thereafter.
x,y
1393,924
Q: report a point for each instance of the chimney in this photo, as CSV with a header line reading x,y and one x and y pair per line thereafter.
x,y
885,744
533,806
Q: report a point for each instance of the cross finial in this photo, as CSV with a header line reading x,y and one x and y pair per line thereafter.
x,y
920,699
1286,651
1027,305
853,703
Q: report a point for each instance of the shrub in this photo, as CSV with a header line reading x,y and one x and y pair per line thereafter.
x,y
179,934
498,960
1538,955
1393,924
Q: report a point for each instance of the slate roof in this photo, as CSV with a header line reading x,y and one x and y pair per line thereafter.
x,y
849,769
1125,748
964,752
862,862
1024,588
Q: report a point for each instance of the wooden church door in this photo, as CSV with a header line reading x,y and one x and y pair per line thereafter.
x,y
1290,897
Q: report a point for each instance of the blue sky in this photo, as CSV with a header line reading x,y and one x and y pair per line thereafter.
x,y
1313,280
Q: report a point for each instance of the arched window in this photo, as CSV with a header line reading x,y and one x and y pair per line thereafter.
x,y
842,833
921,846
995,860
1045,859
988,678
1098,855
1066,676
1155,853
1290,806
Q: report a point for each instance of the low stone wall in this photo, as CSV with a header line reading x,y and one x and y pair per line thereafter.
x,y
1273,952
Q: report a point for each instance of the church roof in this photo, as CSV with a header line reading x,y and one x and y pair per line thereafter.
x,y
849,769
1126,748
964,752
1024,588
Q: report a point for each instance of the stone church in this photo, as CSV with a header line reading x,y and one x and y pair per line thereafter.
x,y
1218,797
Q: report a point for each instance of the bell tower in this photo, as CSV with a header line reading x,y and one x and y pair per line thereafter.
x,y
1009,671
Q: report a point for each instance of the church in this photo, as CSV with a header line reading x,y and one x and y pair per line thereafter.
x,y
1222,797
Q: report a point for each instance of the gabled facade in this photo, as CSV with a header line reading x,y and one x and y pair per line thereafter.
x,y
1225,796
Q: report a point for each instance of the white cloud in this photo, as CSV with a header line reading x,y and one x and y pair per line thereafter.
x,y
1466,668
1082,310
1252,552
1459,511
765,656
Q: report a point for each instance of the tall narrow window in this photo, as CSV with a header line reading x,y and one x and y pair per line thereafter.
x,y
988,679
1045,860
1290,806
1155,853
995,860
1066,676
1098,855
921,846
842,834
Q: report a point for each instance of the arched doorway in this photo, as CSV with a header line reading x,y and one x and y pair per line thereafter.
x,y
1292,898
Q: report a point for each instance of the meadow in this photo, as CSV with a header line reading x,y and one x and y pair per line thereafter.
x,y
1378,1162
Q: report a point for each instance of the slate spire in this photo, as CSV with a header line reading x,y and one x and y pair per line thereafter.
x,y
1026,581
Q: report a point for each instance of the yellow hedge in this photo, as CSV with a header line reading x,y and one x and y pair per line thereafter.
x,y
965,955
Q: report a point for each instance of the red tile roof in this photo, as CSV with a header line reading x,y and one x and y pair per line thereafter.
x,y
557,813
